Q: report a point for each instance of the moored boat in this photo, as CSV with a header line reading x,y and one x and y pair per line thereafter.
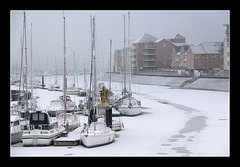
x,y
70,123
97,134
129,106
56,107
41,130
16,129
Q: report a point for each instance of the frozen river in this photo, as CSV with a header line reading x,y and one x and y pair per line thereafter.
x,y
174,122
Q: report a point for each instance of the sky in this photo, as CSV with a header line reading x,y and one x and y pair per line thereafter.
x,y
47,33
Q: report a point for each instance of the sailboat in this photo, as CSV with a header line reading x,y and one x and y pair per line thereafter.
x,y
56,107
95,133
71,122
128,105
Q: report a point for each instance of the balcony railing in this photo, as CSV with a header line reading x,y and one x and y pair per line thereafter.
x,y
149,64
149,53
149,47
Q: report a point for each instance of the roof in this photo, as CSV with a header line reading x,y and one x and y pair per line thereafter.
x,y
146,38
178,48
207,48
158,40
178,36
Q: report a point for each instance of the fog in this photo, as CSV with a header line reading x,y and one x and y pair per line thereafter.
x,y
47,33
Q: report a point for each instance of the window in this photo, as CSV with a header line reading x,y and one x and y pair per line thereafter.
x,y
210,62
15,123
35,117
164,50
164,56
164,44
199,63
41,117
203,56
196,56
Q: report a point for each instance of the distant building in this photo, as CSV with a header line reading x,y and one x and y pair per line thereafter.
x,y
226,49
151,54
179,57
205,57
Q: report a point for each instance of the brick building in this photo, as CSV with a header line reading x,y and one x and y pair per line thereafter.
x,y
151,54
179,57
206,57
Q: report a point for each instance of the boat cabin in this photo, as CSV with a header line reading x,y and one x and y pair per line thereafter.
x,y
40,119
68,98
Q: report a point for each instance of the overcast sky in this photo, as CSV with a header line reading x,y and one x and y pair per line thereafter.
x,y
47,29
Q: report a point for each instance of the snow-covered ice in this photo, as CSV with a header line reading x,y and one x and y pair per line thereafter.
x,y
174,122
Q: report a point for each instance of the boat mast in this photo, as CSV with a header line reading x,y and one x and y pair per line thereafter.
x,y
94,68
55,70
110,66
21,42
129,55
64,70
25,78
31,73
124,59
90,97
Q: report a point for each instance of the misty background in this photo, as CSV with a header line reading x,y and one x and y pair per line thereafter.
x,y
47,34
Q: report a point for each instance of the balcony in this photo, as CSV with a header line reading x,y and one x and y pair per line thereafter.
x,y
149,52
149,64
149,58
149,47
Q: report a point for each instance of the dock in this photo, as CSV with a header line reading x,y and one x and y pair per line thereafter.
x,y
72,138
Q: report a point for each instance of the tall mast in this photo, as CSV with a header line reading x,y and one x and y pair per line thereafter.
x,y
55,69
21,43
110,65
129,54
64,70
25,42
94,67
31,72
90,97
124,56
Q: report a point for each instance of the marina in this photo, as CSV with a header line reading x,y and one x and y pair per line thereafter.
x,y
100,109
160,130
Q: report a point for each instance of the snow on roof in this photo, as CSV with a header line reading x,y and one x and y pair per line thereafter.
x,y
207,48
146,38
158,40
212,47
178,36
197,49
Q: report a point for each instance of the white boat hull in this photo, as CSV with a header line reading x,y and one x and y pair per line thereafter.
x,y
133,111
97,139
16,136
38,138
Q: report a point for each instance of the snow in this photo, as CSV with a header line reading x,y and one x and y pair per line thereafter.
x,y
174,122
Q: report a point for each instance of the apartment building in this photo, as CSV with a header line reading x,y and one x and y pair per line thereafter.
x,y
205,57
151,54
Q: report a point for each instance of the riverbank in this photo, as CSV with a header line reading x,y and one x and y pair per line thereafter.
x,y
218,84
